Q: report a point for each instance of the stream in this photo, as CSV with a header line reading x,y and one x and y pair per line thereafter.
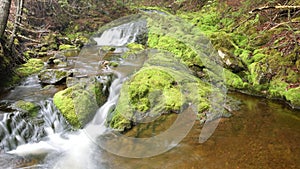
x,y
260,134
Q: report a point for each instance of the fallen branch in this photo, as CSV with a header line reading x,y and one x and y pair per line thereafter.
x,y
286,7
27,38
283,23
34,31
23,37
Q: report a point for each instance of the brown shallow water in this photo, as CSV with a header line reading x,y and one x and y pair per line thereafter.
x,y
263,134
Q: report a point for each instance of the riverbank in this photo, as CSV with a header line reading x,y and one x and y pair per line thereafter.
x,y
259,49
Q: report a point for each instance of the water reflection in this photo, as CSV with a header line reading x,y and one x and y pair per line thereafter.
x,y
263,134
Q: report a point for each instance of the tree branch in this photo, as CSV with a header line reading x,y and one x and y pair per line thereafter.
x,y
286,7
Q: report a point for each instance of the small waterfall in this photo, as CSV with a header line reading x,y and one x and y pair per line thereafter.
x,y
64,150
16,129
75,149
123,34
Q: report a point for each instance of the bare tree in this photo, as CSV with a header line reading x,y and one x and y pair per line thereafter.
x,y
4,12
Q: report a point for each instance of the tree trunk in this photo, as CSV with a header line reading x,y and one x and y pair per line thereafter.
x,y
18,18
4,12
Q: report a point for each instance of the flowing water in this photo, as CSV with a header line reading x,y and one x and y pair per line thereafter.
x,y
262,134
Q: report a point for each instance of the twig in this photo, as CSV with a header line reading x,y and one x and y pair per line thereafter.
x,y
29,39
283,23
34,31
275,7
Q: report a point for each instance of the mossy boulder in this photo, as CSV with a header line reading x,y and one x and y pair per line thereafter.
x,y
79,103
32,66
158,88
53,76
29,108
150,88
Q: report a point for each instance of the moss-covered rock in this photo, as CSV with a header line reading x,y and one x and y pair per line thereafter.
x,y
79,103
293,96
53,76
234,81
158,88
67,47
32,66
183,52
29,108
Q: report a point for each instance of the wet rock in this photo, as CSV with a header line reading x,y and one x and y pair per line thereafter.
x,y
56,59
54,76
14,161
231,62
71,52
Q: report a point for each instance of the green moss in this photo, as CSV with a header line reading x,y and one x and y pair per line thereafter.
x,y
79,103
244,55
29,53
27,107
66,47
135,46
292,76
293,96
234,81
183,52
151,80
150,90
64,102
255,71
277,89
32,66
